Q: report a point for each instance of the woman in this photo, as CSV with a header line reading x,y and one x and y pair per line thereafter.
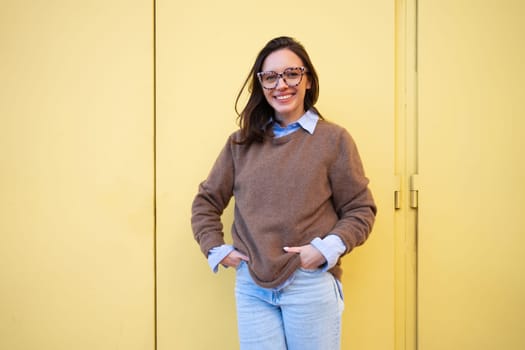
x,y
301,203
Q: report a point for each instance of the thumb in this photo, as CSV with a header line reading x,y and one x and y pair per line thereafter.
x,y
292,249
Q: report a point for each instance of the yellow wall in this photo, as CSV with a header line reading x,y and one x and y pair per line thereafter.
x,y
77,186
472,175
205,49
76,194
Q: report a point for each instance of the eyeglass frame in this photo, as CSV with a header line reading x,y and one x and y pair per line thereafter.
x,y
281,76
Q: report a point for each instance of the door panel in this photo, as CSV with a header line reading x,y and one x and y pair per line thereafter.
x,y
472,189
204,51
76,179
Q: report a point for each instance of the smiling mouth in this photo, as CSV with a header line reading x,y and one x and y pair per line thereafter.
x,y
283,97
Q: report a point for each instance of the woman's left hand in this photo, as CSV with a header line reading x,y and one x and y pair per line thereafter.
x,y
311,257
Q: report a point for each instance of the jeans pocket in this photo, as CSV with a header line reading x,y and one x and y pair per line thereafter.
x,y
309,270
339,289
241,263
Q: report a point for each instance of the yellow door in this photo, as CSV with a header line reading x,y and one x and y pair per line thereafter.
x,y
204,52
471,175
76,175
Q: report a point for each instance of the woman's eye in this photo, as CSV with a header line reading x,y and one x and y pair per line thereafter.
x,y
270,78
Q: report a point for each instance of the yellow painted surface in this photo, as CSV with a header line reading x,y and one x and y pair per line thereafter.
x,y
405,223
205,49
76,178
472,175
76,157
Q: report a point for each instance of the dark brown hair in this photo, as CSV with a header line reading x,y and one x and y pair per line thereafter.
x,y
254,116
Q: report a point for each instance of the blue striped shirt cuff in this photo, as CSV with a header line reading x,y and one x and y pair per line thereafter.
x,y
215,256
331,247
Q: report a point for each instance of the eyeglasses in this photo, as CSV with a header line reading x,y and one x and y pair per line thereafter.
x,y
291,76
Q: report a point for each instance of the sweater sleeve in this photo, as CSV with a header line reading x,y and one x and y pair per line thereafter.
x,y
352,198
212,198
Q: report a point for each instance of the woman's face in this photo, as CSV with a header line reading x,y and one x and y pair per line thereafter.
x,y
287,101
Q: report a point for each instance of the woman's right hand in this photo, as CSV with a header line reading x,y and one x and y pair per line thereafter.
x,y
234,259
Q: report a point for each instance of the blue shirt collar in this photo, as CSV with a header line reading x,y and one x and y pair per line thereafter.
x,y
308,122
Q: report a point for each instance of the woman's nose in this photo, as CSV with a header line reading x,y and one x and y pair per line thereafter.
x,y
281,84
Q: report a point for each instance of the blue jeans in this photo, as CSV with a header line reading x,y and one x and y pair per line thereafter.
x,y
304,315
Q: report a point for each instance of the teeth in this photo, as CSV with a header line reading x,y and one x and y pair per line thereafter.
x,y
283,97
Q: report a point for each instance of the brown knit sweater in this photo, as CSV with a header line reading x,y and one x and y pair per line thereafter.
x,y
287,191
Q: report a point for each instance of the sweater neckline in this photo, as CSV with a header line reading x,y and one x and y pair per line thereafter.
x,y
287,138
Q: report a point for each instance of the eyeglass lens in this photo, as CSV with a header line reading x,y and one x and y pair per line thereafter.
x,y
291,76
